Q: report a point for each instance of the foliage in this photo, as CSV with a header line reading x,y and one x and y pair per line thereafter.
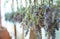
x,y
26,13
30,15
15,16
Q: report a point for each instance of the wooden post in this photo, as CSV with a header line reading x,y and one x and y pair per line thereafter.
x,y
15,31
32,34
23,33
